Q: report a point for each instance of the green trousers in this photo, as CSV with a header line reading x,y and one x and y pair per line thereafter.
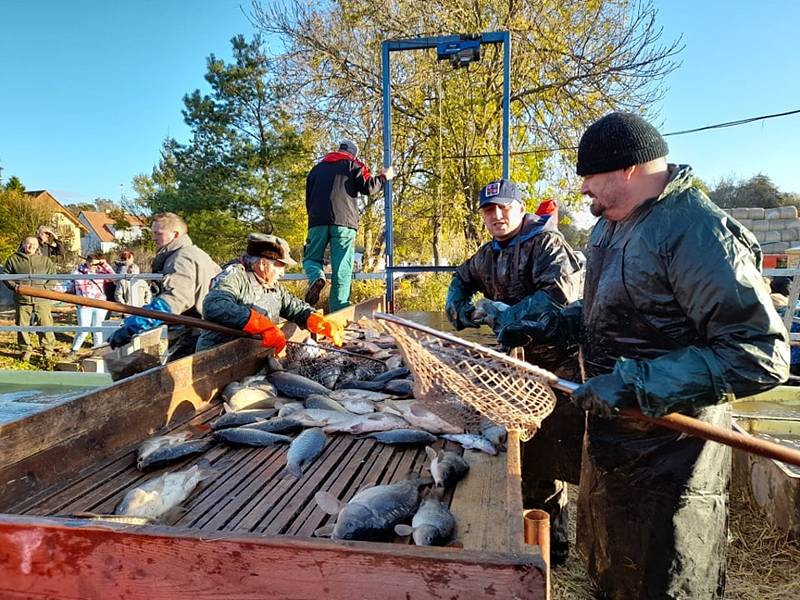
x,y
343,242
44,317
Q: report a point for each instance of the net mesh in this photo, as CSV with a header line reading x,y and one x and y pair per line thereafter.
x,y
461,381
331,366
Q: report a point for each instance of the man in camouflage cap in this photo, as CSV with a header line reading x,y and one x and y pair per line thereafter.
x,y
247,296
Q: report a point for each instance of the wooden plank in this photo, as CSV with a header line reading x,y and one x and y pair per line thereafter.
x,y
37,451
247,483
279,494
46,558
488,502
94,476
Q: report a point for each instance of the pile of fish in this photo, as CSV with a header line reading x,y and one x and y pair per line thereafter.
x,y
363,390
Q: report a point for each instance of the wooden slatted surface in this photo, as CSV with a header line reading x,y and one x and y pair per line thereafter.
x,y
246,493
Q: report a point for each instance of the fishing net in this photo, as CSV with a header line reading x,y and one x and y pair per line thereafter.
x,y
461,381
329,365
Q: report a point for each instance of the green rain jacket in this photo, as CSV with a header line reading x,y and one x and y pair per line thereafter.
x,y
20,263
674,302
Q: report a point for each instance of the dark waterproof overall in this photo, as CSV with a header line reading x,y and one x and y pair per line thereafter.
x,y
652,507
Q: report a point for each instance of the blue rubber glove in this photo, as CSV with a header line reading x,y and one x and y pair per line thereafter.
x,y
605,395
135,324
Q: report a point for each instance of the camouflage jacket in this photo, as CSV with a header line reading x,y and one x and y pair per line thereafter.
x,y
236,291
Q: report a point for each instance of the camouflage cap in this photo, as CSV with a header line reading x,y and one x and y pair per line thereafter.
x,y
269,246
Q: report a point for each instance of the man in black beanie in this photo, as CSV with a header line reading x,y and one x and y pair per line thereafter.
x,y
675,317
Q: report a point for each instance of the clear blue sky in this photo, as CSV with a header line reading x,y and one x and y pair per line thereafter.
x,y
90,89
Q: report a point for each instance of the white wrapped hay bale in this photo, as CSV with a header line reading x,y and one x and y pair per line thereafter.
x,y
772,236
790,235
760,225
788,212
778,224
771,214
755,213
739,213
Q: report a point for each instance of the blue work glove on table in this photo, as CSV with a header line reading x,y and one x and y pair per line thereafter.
x,y
605,395
135,324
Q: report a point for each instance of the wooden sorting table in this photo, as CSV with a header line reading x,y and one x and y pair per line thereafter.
x,y
245,532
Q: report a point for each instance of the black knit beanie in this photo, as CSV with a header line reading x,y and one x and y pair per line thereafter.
x,y
618,141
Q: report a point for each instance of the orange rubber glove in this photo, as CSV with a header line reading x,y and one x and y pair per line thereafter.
x,y
316,323
271,336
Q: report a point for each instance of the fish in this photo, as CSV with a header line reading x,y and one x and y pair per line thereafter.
x,y
402,436
289,408
373,512
432,525
278,425
249,436
447,468
419,416
319,417
296,386
394,362
473,441
328,375
230,389
304,449
488,311
323,402
359,384
359,406
172,452
250,397
156,498
340,395
297,352
403,388
152,444
397,373
493,432
373,422
237,419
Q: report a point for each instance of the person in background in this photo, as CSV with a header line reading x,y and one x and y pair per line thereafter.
x,y
49,244
28,260
133,292
247,296
89,316
188,272
528,265
332,189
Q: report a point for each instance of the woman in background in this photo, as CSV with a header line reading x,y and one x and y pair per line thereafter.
x,y
94,264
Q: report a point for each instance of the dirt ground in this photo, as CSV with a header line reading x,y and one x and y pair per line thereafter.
x,y
762,563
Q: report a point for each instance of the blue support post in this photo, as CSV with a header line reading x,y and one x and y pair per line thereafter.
x,y
387,190
506,102
420,43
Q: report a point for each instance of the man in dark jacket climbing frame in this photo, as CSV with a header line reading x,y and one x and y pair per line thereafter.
x,y
675,318
528,264
332,189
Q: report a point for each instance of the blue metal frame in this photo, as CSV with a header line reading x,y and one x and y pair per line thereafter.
x,y
421,43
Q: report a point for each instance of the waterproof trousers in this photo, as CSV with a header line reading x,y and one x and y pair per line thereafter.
x,y
25,314
342,241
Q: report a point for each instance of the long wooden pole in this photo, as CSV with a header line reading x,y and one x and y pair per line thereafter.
x,y
673,421
27,290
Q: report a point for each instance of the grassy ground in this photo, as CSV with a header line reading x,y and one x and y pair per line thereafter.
x,y
762,563
10,351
